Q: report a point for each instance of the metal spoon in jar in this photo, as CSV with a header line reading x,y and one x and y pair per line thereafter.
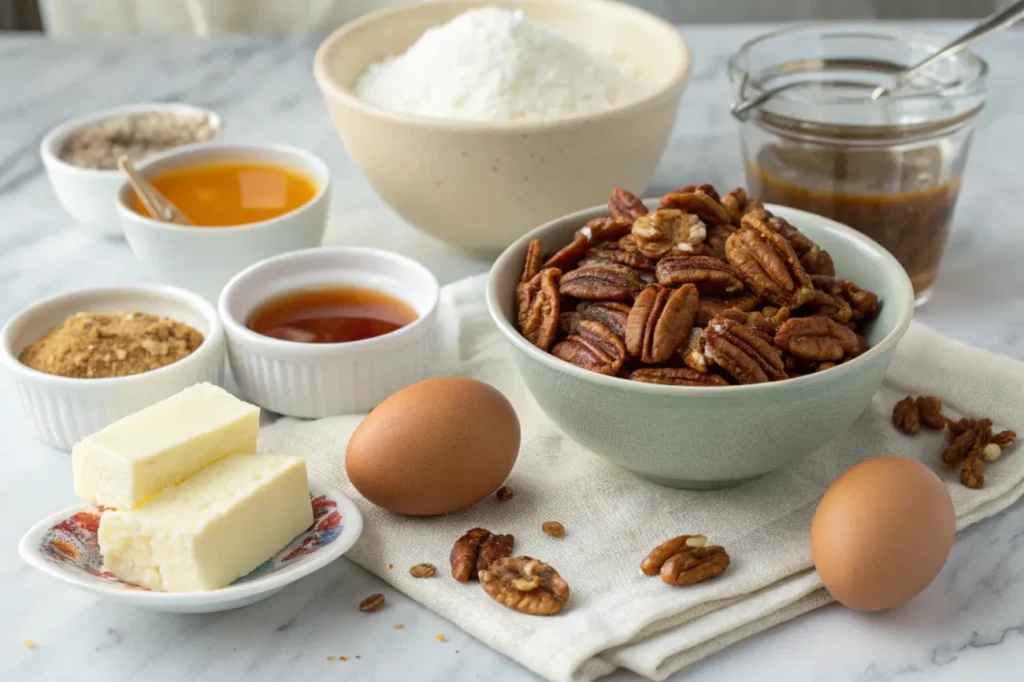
x,y
988,26
159,206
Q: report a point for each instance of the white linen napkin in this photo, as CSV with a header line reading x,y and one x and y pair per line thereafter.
x,y
617,617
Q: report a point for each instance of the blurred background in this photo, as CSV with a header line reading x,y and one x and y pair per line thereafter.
x,y
70,18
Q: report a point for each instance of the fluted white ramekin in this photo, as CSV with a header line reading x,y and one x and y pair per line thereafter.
x,y
65,410
319,380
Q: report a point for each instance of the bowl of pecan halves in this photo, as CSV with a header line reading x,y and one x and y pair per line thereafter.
x,y
700,340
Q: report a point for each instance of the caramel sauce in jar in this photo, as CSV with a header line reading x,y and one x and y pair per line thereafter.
x,y
330,315
887,196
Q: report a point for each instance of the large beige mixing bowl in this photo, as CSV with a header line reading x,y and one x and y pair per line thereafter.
x,y
479,185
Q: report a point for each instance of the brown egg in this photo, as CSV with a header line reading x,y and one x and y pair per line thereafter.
x,y
435,447
882,533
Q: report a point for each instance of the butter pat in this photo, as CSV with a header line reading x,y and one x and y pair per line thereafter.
x,y
138,456
212,529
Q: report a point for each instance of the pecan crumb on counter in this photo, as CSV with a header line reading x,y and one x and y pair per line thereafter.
x,y
103,345
372,603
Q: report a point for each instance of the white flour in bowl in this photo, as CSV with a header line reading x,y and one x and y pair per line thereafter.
x,y
492,64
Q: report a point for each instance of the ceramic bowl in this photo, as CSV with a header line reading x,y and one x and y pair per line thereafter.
x,y
65,410
477,185
320,380
710,437
87,194
64,546
202,260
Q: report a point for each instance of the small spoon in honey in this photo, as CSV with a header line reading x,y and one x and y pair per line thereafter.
x,y
156,203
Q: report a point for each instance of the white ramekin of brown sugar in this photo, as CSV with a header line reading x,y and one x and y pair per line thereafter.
x,y
65,409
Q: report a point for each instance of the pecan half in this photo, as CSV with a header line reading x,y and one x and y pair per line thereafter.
x,y
538,306
817,261
698,202
611,314
817,339
738,203
668,231
967,443
625,206
596,230
770,267
714,242
660,322
863,304
525,585
468,550
494,547
704,187
972,475
742,352
652,563
766,223
825,304
695,565
602,282
593,347
677,376
609,252
906,416
533,259
709,306
1004,439
930,409
710,275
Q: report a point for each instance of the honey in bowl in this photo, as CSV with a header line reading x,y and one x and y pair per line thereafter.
x,y
330,315
232,194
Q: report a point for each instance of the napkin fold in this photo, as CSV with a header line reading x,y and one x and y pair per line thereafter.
x,y
617,617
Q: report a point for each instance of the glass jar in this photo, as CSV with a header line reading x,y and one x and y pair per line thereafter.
x,y
890,168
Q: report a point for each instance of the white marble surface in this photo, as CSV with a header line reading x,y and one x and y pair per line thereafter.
x,y
970,622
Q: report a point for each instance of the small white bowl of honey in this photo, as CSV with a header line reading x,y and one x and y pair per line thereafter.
x,y
331,330
246,203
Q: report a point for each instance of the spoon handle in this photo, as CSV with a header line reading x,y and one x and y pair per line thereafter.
x,y
993,23
157,204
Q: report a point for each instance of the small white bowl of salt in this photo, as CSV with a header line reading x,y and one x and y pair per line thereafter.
x,y
80,155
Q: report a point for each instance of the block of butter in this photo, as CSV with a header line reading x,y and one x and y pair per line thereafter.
x,y
213,528
136,457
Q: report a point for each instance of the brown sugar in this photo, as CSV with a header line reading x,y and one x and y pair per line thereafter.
x,y
103,345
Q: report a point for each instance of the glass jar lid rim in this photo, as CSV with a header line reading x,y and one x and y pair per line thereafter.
x,y
739,70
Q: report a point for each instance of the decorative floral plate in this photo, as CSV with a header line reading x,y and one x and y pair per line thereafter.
x,y
65,546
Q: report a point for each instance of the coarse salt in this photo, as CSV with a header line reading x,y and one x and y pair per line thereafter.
x,y
492,64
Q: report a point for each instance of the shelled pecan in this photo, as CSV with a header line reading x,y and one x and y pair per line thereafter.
x,y
601,282
705,290
660,322
769,266
668,231
538,305
592,346
742,352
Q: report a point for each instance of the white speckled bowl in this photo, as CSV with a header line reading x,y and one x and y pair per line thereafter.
x,y
479,185
710,437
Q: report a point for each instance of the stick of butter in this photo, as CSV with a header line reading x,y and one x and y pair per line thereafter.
x,y
136,457
218,525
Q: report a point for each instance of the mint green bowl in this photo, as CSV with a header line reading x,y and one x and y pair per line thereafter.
x,y
709,437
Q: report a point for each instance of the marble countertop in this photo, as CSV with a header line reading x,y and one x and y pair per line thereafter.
x,y
970,622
